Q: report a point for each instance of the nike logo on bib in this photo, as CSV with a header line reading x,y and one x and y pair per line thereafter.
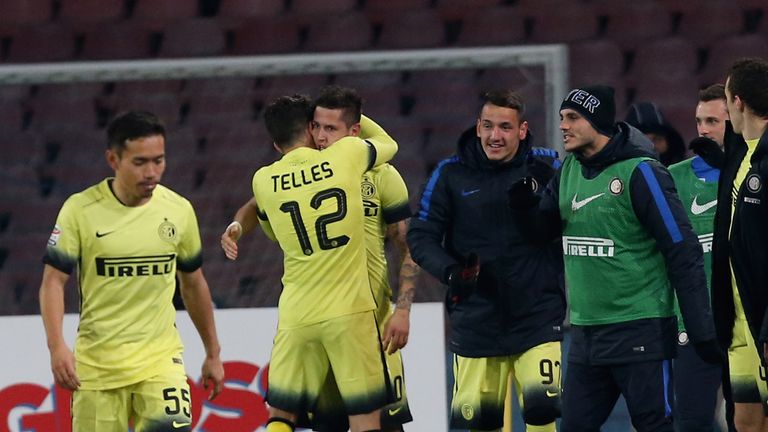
x,y
698,209
394,411
178,425
575,204
102,234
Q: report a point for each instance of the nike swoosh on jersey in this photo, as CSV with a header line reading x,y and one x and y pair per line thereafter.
x,y
467,193
394,411
551,393
698,209
575,204
178,425
102,234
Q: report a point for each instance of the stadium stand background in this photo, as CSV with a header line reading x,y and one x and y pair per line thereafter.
x,y
52,135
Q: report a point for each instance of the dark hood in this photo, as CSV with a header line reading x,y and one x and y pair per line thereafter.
x,y
471,153
627,143
647,118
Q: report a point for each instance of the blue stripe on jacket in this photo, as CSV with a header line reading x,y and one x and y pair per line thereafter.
x,y
426,197
661,202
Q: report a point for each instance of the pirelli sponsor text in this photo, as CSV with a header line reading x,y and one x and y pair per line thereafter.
x,y
154,265
588,246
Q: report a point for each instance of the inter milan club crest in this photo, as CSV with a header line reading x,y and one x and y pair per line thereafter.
x,y
367,189
467,412
754,184
167,231
616,186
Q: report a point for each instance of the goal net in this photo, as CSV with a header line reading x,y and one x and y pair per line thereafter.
x,y
52,119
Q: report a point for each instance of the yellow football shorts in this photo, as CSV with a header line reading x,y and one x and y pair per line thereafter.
x,y
748,377
158,403
481,386
348,346
330,413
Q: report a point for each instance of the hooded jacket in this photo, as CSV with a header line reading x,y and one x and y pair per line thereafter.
x,y
519,301
647,118
658,208
746,248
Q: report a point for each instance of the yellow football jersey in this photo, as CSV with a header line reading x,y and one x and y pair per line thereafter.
x,y
385,201
127,259
309,202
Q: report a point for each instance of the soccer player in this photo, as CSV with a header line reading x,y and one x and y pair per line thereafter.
x,y
740,254
128,237
696,382
385,200
712,113
505,297
310,203
626,244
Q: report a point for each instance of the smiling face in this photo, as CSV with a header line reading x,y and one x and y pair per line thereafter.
x,y
578,133
328,126
138,169
500,131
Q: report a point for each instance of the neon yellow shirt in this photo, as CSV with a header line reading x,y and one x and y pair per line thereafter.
x,y
385,201
310,203
127,259
741,174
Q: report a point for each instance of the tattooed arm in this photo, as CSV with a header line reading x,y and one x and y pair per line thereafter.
x,y
397,328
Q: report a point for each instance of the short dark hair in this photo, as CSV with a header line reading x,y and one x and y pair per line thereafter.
x,y
713,92
286,117
344,98
132,125
505,98
748,79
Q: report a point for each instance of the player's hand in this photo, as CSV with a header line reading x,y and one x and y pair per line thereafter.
x,y
63,368
229,240
462,278
541,170
709,150
521,196
709,351
396,330
213,374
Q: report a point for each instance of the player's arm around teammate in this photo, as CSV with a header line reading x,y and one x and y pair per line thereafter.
x,y
385,147
246,219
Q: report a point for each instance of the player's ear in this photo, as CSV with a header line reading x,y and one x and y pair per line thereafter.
x,y
523,130
355,130
738,103
112,159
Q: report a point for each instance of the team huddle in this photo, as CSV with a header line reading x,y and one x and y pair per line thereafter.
x,y
664,279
